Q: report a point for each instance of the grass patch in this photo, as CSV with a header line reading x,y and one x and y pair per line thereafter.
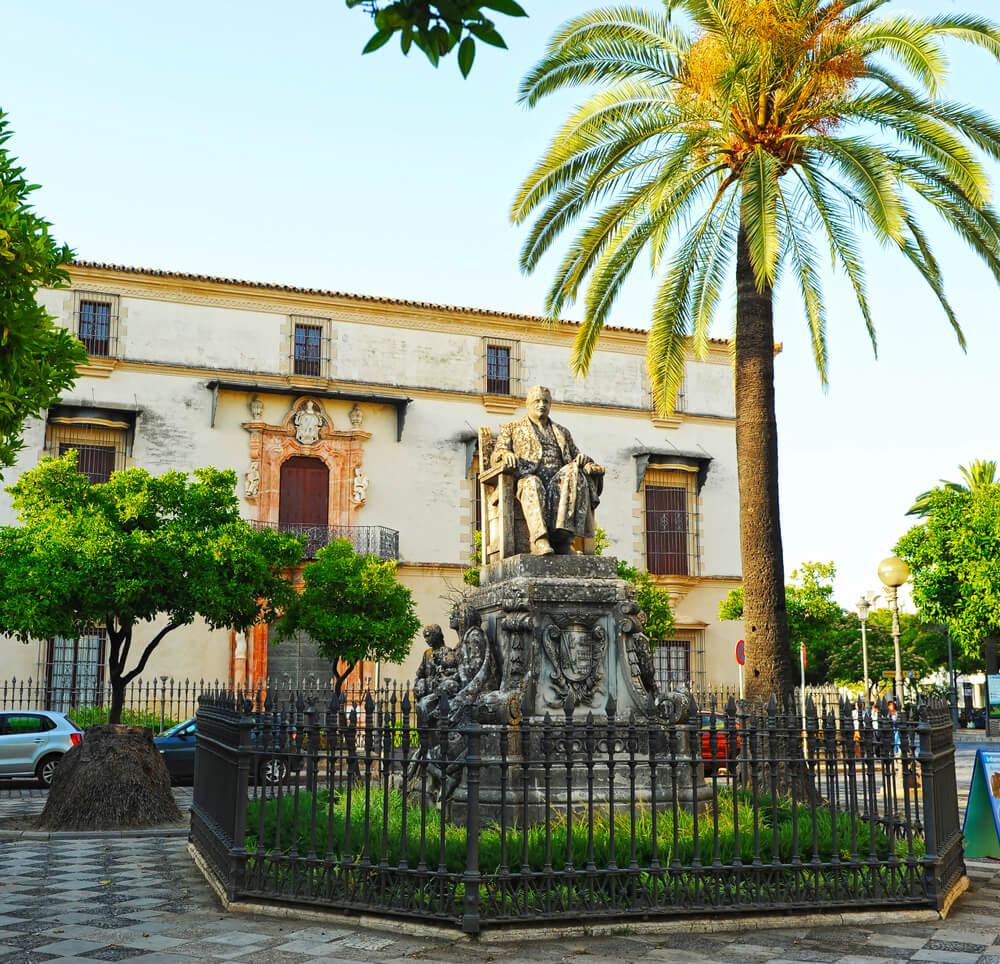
x,y
275,831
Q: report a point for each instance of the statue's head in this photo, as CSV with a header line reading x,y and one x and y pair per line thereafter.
x,y
538,401
464,617
433,636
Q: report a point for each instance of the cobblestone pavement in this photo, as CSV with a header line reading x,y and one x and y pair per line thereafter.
x,y
141,899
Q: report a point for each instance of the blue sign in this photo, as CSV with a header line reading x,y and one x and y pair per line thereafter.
x,y
982,815
741,652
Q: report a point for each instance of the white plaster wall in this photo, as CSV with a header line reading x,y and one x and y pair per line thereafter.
x,y
406,356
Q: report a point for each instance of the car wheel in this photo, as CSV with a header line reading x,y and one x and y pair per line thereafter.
x,y
46,769
273,771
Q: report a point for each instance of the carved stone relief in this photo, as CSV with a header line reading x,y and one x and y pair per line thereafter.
x,y
575,644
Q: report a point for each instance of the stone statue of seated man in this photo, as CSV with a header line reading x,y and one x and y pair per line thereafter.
x,y
558,487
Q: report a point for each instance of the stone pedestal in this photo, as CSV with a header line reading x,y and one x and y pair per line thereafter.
x,y
572,659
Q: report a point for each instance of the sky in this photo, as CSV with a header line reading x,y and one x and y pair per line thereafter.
x,y
252,140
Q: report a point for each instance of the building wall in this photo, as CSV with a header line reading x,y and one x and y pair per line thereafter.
x,y
180,334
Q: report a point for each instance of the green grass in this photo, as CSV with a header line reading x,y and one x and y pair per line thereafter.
x,y
84,716
328,837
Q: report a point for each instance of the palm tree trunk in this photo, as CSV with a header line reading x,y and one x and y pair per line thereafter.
x,y
768,659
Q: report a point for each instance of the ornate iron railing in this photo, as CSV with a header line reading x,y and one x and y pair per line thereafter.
x,y
366,540
361,806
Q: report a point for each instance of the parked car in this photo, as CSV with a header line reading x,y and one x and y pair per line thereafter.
x,y
715,749
178,745
32,743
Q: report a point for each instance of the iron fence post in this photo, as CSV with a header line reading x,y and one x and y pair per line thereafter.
x,y
471,878
239,854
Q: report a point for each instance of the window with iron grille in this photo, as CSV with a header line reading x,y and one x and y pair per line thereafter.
x,y
502,364
672,664
671,523
102,438
74,671
96,323
310,347
680,403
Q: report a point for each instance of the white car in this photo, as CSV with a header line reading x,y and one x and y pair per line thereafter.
x,y
32,742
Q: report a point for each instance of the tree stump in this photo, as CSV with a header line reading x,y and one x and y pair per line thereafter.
x,y
115,779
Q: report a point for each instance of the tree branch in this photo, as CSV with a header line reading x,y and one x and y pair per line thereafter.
x,y
153,643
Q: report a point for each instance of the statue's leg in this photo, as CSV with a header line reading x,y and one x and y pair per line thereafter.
x,y
568,498
531,495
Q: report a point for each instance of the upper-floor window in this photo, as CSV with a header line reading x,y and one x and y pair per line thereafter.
x,y
502,366
680,403
310,347
671,522
96,323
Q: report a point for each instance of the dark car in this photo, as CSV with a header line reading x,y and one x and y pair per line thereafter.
x,y
715,748
178,744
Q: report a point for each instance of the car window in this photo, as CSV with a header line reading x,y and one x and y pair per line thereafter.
x,y
189,730
27,723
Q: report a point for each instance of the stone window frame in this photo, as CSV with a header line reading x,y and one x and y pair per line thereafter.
x,y
115,333
513,346
327,345
692,643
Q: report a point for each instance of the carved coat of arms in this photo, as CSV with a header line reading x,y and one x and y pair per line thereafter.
x,y
575,644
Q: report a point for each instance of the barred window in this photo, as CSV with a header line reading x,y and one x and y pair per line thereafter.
x,y
671,523
96,323
310,347
101,438
502,366
679,662
74,671
681,402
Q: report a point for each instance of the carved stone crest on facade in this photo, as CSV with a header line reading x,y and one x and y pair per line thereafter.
x,y
575,644
308,420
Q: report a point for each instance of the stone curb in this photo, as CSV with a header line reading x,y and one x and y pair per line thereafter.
x,y
91,834
688,925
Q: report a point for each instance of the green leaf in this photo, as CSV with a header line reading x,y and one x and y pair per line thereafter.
x,y
466,54
507,7
487,33
380,39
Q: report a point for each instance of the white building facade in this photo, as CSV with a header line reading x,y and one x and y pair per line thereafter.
x,y
355,416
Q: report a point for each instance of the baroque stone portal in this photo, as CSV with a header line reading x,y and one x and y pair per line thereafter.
x,y
539,490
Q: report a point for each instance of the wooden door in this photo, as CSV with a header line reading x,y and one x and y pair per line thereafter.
x,y
304,498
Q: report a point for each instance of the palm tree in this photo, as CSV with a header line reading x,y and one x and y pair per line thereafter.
x,y
767,132
978,476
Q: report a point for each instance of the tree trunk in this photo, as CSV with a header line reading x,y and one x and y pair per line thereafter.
x,y
768,659
117,699
115,779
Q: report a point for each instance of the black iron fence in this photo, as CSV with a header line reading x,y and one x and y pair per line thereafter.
x,y
159,702
363,806
366,540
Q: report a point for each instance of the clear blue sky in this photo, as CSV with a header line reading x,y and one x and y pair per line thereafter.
x,y
252,140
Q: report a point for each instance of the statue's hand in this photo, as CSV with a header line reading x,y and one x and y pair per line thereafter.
x,y
592,468
508,460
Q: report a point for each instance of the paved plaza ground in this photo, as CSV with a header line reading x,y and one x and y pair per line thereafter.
x,y
75,900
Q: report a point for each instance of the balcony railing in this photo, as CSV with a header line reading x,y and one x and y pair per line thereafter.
x,y
366,540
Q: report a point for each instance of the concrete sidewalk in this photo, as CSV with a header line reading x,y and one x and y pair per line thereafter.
x,y
142,899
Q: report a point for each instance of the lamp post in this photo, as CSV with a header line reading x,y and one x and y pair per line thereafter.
x,y
894,572
864,605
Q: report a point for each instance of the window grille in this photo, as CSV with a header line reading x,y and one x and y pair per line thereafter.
x,y
101,438
74,671
679,663
671,516
310,350
502,358
95,319
681,402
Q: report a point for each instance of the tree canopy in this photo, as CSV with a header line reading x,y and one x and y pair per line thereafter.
x,y
954,555
755,138
134,550
352,608
437,26
833,635
978,475
38,358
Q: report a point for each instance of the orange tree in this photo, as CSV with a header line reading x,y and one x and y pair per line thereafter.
x,y
756,139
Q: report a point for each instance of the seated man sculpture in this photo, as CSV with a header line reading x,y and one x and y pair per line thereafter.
x,y
558,487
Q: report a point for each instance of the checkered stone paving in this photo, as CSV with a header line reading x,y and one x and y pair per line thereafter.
x,y
74,900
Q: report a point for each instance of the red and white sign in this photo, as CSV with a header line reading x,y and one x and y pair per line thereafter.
x,y
741,652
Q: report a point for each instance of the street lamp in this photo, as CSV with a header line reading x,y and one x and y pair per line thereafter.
x,y
894,572
864,605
